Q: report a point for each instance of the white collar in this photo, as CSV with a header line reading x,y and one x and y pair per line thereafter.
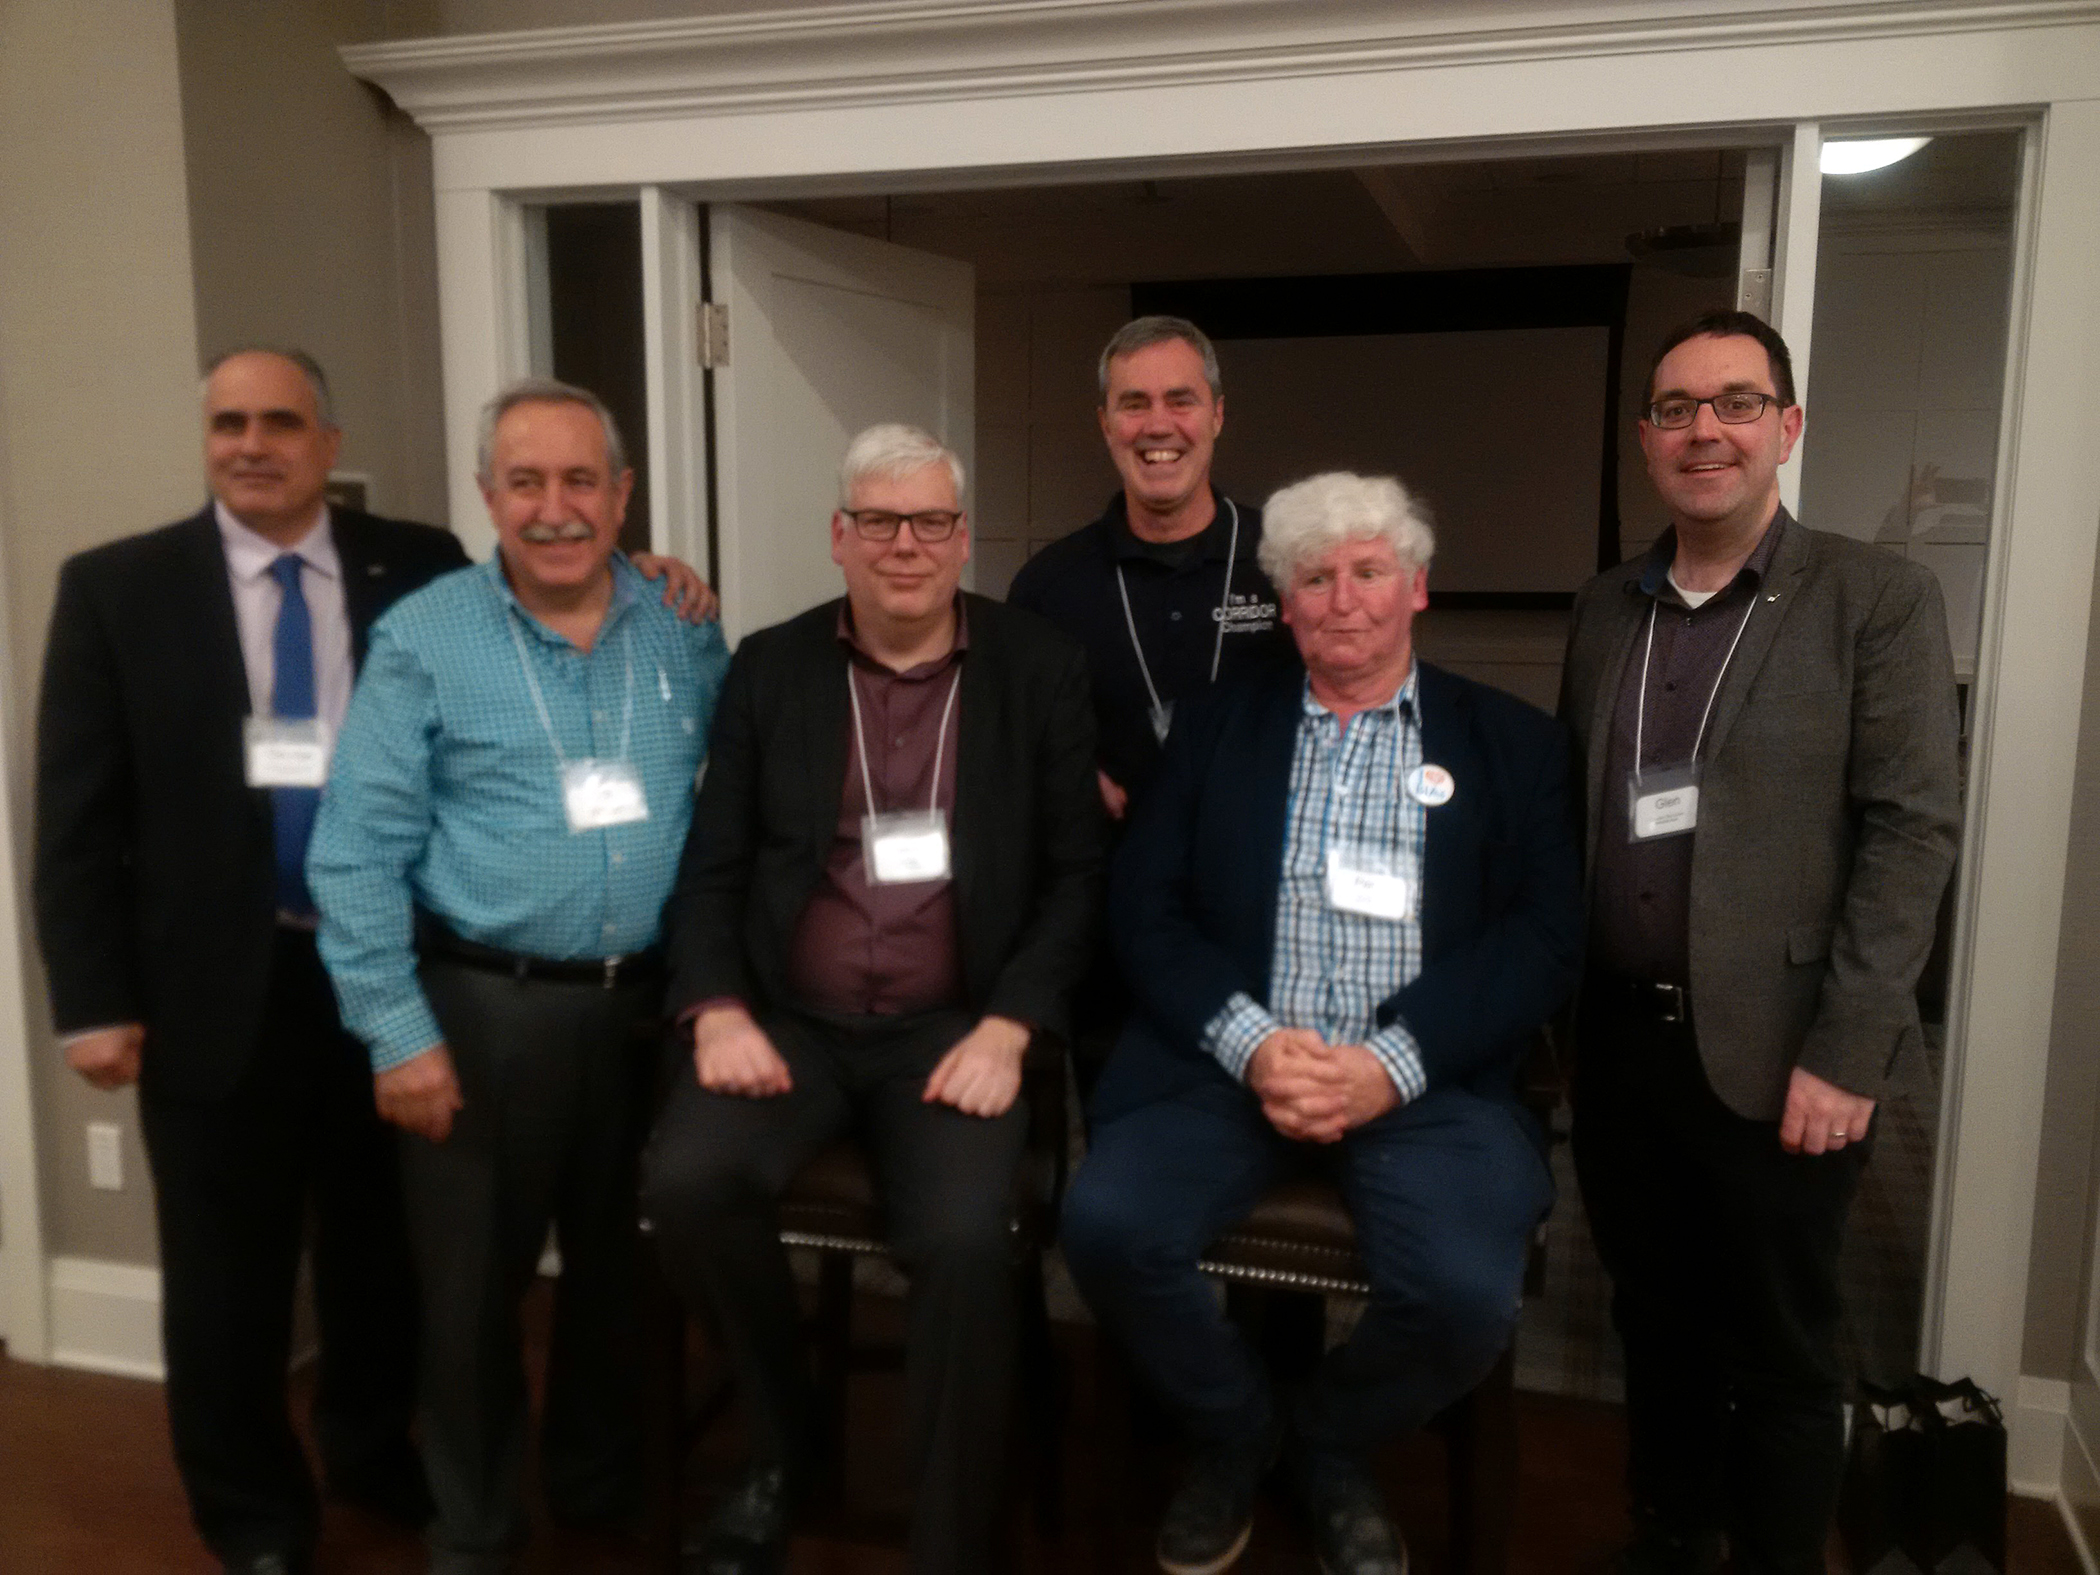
x,y
249,553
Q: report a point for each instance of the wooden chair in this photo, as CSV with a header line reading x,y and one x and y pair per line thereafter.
x,y
831,1208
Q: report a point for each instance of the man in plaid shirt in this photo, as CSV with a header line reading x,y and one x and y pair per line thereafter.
x,y
1345,908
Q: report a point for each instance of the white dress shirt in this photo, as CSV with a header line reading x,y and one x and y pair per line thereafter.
x,y
257,597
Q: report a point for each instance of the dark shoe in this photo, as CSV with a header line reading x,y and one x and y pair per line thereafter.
x,y
748,1533
266,1564
1350,1530
392,1487
1208,1520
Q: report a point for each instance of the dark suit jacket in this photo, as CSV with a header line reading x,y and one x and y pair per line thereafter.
x,y
1026,841
1192,901
155,864
1829,810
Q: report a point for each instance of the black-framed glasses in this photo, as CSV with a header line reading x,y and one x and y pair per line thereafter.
x,y
1735,408
927,525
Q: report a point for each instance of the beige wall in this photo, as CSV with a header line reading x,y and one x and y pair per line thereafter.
x,y
311,208
98,425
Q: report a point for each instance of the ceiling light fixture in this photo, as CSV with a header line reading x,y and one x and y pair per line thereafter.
x,y
1873,153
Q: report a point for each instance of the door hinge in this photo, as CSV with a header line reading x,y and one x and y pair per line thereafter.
x,y
712,331
1754,292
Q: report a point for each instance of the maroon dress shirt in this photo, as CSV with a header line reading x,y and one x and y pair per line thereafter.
x,y
862,949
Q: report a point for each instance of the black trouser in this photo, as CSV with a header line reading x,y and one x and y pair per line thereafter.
x,y
714,1169
1723,1251
554,1076
233,1179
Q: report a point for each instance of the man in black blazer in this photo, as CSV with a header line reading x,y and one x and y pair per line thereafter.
x,y
888,888
1349,901
180,951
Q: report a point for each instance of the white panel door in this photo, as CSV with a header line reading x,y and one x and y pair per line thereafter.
x,y
828,333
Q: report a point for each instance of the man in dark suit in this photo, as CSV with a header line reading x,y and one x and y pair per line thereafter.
x,y
1766,715
1349,901
888,887
179,942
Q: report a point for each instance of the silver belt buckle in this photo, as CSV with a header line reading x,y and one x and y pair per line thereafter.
x,y
1672,998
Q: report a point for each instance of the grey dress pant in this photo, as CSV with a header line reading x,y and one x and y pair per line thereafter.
x,y
555,1076
714,1168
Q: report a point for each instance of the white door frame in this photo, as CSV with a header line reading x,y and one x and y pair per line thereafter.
x,y
896,96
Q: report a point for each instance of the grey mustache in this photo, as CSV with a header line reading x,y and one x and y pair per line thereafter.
x,y
567,530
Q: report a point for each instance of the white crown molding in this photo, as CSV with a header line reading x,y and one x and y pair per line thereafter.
x,y
931,51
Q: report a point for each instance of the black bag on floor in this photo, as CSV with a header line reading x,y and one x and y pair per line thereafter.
x,y
1924,1490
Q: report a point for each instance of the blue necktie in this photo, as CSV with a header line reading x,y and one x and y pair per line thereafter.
x,y
292,699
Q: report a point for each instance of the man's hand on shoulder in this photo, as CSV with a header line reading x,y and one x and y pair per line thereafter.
x,y
732,1055
421,1095
981,1076
1820,1117
684,591
1314,1092
108,1057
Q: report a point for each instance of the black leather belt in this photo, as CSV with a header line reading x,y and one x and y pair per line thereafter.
x,y
1648,998
435,940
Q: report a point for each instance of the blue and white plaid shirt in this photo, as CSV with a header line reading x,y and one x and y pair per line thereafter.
x,y
445,792
1330,969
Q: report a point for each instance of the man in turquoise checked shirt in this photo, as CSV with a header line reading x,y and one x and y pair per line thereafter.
x,y
501,827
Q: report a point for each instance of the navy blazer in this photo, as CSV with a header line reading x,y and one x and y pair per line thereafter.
x,y
1192,911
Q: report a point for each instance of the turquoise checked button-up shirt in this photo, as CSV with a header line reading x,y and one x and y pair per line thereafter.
x,y
445,791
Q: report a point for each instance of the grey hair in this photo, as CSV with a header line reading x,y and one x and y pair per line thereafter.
x,y
545,391
892,449
1310,518
309,368
1141,332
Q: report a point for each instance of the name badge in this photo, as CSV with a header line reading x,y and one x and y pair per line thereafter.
x,y
600,793
282,752
1369,884
1662,802
904,849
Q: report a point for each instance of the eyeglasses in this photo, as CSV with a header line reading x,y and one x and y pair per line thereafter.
x,y
1734,408
927,525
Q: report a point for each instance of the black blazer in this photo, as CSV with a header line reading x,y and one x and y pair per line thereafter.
x,y
1192,901
155,865
1027,836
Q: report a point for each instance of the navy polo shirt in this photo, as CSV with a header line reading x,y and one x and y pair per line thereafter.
x,y
1177,596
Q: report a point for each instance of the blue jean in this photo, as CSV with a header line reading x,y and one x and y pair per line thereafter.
x,y
1444,1192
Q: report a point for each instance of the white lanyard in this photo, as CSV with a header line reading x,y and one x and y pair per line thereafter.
x,y
1640,715
860,739
539,701
1232,552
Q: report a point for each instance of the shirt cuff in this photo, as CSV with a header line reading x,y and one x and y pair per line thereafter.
x,y
401,1034
1401,1057
1237,1031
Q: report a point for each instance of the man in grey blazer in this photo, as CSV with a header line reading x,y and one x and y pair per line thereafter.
x,y
1767,718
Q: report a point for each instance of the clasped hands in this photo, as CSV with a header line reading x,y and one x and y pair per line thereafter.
x,y
1313,1091
980,1075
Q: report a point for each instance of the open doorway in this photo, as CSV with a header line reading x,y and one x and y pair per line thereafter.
x,y
1405,318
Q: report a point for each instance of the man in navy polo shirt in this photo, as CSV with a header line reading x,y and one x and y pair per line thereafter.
x,y
1164,589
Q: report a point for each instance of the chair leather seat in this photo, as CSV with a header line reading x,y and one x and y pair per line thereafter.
x,y
1299,1227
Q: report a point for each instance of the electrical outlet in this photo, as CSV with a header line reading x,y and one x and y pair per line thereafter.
x,y
105,1156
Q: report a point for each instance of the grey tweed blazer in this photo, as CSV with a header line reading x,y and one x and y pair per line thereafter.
x,y
1829,810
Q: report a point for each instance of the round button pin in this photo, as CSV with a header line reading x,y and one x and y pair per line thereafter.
x,y
1431,785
